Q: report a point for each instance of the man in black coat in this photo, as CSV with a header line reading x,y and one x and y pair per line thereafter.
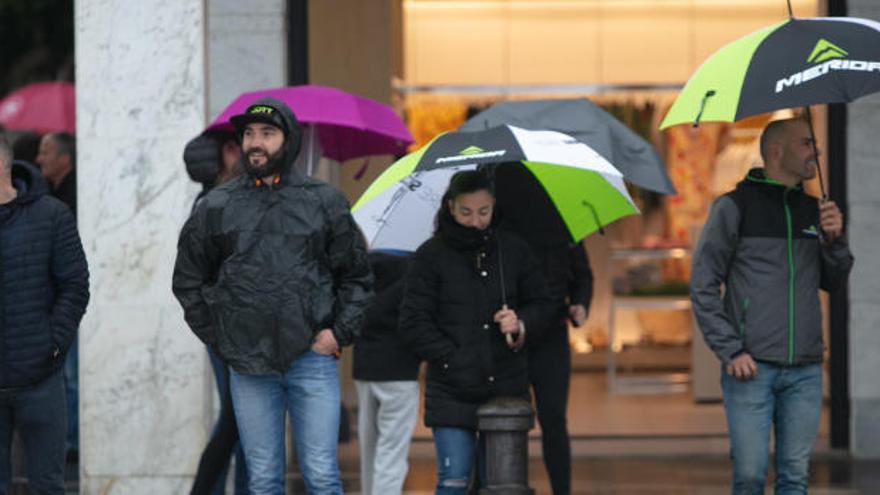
x,y
386,376
57,161
272,274
45,289
528,212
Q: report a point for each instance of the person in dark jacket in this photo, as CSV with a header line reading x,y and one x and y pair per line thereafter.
x,y
272,274
772,247
44,282
213,158
529,213
472,293
386,376
56,158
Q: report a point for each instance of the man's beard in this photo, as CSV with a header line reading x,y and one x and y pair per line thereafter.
x,y
273,164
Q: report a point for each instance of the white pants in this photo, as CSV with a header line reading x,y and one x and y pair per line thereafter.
x,y
386,419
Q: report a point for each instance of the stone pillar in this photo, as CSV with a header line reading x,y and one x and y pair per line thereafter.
x,y
247,49
504,423
863,179
140,76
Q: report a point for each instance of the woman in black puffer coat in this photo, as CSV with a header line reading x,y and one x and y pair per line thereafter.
x,y
472,294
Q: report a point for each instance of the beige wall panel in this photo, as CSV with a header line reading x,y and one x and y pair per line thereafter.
x,y
455,43
484,42
350,46
556,43
717,26
644,46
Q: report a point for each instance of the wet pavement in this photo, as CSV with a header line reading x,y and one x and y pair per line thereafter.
x,y
702,475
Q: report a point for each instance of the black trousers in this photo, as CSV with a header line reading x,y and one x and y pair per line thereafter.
x,y
550,375
214,463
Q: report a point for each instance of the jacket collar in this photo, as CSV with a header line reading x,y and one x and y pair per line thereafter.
x,y
758,176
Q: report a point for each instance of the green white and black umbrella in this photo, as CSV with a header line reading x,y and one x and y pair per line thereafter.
x,y
397,210
795,63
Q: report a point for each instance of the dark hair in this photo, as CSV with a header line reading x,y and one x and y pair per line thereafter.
x,y
464,182
66,144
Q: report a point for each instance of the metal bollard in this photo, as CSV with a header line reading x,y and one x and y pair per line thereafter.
x,y
505,422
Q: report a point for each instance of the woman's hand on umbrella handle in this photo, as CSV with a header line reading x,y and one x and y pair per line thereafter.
x,y
507,320
510,326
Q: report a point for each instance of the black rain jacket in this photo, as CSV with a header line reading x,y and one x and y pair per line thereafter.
x,y
261,269
453,289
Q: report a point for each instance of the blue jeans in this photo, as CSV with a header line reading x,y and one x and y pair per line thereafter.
x,y
38,413
458,450
309,391
789,399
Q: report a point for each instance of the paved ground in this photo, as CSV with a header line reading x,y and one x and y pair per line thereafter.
x,y
672,476
831,474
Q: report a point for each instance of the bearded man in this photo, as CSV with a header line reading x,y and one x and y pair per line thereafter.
x,y
273,275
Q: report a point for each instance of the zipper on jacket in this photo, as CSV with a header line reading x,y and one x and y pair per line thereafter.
x,y
742,320
791,275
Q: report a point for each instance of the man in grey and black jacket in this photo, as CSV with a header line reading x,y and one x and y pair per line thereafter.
x,y
273,275
772,247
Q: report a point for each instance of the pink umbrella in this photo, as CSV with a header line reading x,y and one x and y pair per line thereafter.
x,y
345,125
40,107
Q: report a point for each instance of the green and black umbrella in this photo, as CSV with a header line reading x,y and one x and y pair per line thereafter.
x,y
585,190
795,63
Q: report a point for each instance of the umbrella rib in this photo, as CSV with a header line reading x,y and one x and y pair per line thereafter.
x,y
410,183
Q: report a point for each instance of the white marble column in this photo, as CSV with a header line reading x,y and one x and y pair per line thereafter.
x,y
863,180
140,72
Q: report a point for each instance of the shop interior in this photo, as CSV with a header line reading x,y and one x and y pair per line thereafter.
x,y
641,371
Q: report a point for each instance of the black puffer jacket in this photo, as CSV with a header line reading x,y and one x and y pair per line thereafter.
x,y
453,290
44,281
379,353
262,268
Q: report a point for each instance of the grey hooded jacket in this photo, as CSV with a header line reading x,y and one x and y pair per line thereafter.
x,y
262,268
757,271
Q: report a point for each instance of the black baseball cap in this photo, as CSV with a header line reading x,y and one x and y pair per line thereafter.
x,y
260,112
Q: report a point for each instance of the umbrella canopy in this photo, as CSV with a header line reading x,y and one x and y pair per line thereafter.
x,y
580,118
794,63
397,210
40,107
346,125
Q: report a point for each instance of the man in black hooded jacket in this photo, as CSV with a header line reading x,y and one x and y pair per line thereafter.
x,y
273,276
44,289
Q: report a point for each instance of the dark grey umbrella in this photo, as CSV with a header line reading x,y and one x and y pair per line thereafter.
x,y
589,124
